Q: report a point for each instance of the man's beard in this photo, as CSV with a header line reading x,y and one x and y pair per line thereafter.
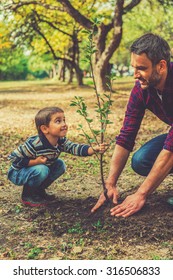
x,y
155,79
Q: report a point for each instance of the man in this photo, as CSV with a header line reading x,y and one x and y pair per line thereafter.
x,y
153,90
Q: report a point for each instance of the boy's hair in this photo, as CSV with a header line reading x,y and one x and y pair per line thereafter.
x,y
43,117
154,46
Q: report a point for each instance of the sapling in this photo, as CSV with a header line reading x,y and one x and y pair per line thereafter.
x,y
102,107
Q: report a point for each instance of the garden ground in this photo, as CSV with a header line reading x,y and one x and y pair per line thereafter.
x,y
66,229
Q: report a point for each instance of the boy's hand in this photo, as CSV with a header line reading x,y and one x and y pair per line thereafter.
x,y
38,160
41,160
101,148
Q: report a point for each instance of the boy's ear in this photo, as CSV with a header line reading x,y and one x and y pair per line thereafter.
x,y
44,129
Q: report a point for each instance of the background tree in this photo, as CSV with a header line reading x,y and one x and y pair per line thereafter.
x,y
140,21
52,26
110,15
47,31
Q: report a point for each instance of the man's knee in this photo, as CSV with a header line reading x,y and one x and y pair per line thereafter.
x,y
140,165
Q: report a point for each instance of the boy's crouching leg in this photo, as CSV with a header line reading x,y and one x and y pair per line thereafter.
x,y
35,176
31,197
56,170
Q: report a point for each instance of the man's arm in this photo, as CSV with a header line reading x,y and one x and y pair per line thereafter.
x,y
135,202
118,162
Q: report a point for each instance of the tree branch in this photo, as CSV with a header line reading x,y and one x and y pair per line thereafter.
x,y
117,33
15,6
53,26
81,19
130,6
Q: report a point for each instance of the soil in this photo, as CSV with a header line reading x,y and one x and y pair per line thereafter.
x,y
66,229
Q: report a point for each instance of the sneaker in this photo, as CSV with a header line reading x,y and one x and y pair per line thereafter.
x,y
170,201
31,197
44,195
33,201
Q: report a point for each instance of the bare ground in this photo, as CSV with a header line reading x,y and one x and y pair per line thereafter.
x,y
66,229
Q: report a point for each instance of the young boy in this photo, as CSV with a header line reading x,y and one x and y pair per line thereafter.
x,y
36,163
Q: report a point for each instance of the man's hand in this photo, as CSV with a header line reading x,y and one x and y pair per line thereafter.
x,y
129,206
112,193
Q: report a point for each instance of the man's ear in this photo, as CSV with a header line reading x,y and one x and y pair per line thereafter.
x,y
162,65
44,129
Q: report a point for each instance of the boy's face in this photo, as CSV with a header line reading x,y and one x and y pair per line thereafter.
x,y
57,126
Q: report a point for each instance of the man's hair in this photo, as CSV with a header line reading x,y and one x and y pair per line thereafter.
x,y
43,117
154,46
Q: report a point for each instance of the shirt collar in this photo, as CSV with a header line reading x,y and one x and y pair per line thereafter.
x,y
45,142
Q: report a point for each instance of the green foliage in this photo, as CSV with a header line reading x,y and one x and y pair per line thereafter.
x,y
76,229
13,65
34,252
44,28
98,225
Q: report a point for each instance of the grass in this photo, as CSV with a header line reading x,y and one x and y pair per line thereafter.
x,y
66,230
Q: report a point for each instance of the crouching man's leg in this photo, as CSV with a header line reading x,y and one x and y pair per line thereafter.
x,y
144,158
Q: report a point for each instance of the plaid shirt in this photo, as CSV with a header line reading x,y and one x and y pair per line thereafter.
x,y
142,99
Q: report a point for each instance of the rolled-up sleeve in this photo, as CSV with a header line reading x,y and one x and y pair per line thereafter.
x,y
168,144
132,121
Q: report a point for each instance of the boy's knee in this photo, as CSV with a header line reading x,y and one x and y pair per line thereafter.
x,y
41,171
62,166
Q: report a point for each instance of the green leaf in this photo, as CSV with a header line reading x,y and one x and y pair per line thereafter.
x,y
92,140
73,104
89,120
96,132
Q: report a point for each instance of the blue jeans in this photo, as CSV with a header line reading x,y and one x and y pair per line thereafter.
x,y
37,176
144,158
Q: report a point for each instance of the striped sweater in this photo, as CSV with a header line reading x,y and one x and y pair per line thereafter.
x,y
36,146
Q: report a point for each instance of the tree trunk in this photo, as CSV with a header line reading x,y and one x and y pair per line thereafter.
x,y
61,70
79,75
54,73
101,76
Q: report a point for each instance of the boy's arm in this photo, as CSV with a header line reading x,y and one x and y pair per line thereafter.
x,y
21,156
38,160
76,149
81,149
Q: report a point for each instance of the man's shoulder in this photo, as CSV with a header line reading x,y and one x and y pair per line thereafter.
x,y
136,88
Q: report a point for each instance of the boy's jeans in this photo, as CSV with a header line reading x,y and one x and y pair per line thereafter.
x,y
40,175
144,158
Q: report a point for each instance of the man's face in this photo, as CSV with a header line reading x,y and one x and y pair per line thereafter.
x,y
144,71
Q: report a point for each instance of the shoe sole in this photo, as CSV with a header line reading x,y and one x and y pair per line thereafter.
x,y
32,204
